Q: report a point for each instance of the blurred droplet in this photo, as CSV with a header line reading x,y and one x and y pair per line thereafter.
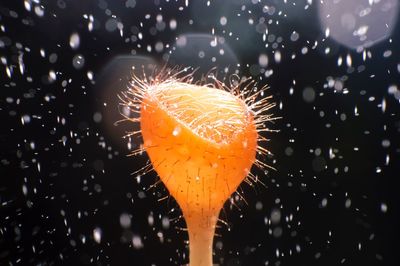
x,y
137,242
78,61
97,235
309,94
74,41
384,207
358,24
263,60
125,220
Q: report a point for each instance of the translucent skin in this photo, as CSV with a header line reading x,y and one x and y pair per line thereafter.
x,y
202,143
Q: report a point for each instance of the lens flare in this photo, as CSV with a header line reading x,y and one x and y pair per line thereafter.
x,y
202,140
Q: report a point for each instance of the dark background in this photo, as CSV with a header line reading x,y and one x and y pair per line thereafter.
x,y
64,173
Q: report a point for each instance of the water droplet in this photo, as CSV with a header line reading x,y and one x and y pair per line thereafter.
x,y
74,41
309,94
294,36
125,220
384,207
276,216
97,117
97,235
263,60
78,61
177,130
137,242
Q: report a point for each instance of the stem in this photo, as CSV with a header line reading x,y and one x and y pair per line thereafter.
x,y
201,228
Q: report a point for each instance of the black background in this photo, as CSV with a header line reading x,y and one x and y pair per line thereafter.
x,y
88,184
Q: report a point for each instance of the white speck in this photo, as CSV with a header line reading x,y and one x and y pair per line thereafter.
x,y
42,53
97,117
331,153
24,190
74,41
165,222
392,89
362,30
161,236
327,50
349,61
339,61
383,105
25,119
347,204
324,202
27,5
90,23
214,42
294,36
39,11
327,32
386,143
263,60
269,73
387,53
21,64
223,21
78,61
97,234
384,207
387,159
52,75
125,220
172,24
120,26
137,242
278,57
177,130
90,75
150,219
8,72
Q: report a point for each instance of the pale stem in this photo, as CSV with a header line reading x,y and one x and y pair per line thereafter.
x,y
201,229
